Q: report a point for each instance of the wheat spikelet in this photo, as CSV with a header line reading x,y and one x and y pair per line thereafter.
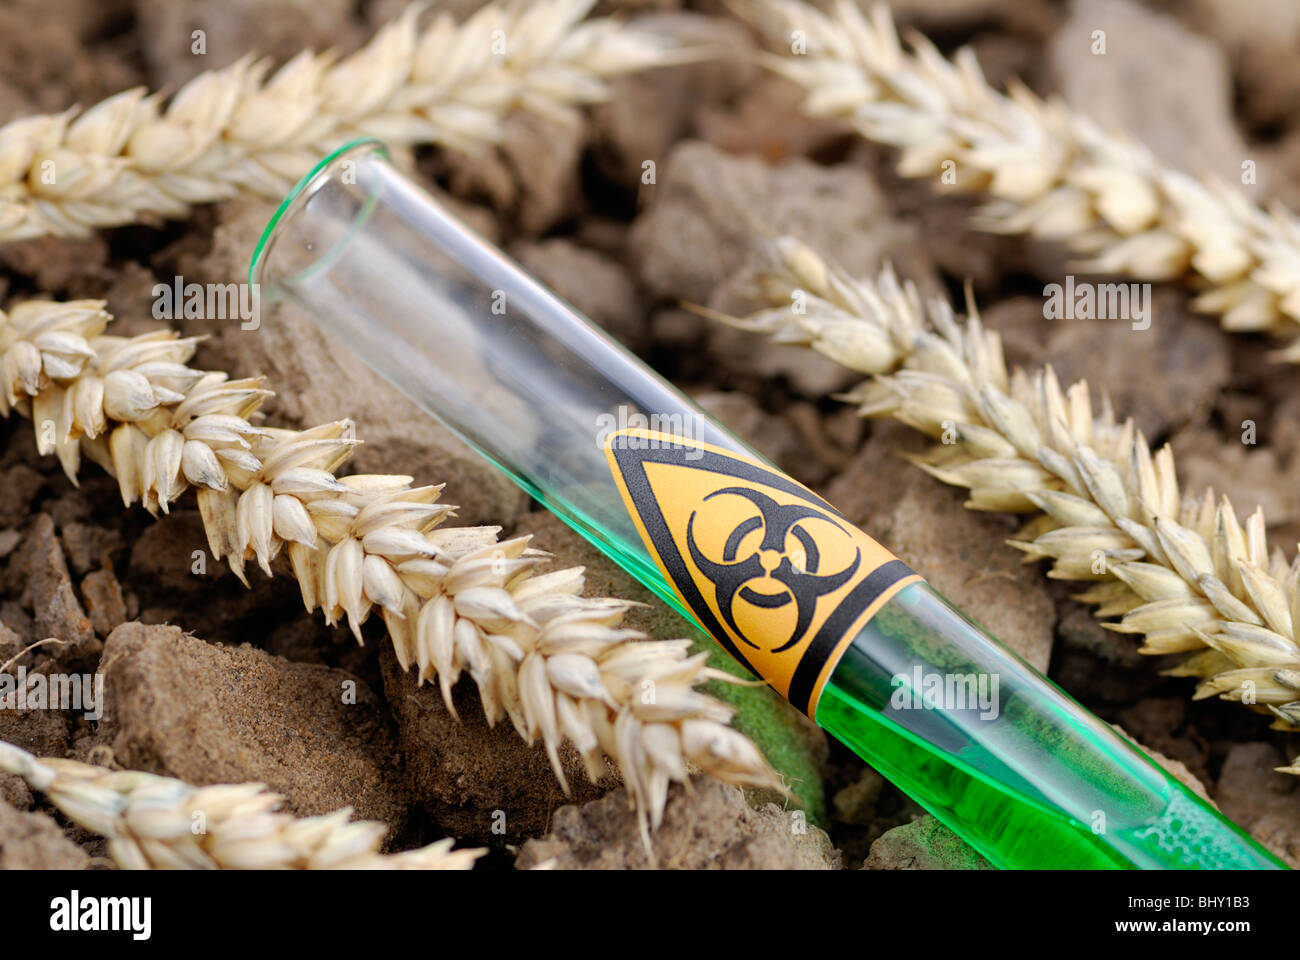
x,y
455,600
1050,172
1185,572
243,127
158,823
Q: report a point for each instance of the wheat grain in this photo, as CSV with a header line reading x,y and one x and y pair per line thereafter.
x,y
1183,571
244,128
1050,172
455,600
158,823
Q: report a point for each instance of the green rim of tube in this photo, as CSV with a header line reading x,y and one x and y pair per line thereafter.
x,y
300,189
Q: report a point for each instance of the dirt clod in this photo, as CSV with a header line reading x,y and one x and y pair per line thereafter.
x,y
923,844
204,713
712,828
105,605
48,591
33,841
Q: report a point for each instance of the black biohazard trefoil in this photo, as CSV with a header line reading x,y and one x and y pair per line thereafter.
x,y
767,567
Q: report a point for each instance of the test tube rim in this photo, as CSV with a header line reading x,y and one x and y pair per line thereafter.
x,y
301,192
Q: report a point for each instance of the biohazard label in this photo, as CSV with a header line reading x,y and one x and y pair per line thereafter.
x,y
775,573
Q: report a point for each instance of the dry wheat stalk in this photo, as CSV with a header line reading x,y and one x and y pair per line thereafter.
x,y
1183,571
454,599
157,823
1049,171
238,128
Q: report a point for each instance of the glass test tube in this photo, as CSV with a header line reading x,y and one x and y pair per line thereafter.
x,y
1032,780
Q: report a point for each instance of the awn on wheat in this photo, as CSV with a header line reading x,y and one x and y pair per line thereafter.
x,y
1183,571
238,128
455,600
157,823
1050,172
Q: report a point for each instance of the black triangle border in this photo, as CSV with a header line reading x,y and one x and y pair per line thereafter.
x,y
631,464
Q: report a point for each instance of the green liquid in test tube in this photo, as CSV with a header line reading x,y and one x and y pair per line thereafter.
x,y
833,621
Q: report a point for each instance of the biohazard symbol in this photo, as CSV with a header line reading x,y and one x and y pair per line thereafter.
x,y
775,573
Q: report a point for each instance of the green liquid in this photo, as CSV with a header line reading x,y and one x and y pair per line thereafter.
x,y
1037,783
1008,828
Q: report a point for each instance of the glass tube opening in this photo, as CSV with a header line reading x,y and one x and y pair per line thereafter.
x,y
383,267
314,223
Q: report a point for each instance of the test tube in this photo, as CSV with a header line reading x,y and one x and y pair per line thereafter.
x,y
798,595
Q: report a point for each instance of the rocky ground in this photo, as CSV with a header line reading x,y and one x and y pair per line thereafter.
x,y
212,682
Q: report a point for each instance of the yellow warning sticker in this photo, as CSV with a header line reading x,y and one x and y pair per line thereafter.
x,y
771,570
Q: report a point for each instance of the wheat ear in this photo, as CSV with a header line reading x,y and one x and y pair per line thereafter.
x,y
244,128
1183,571
454,599
1050,172
157,823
